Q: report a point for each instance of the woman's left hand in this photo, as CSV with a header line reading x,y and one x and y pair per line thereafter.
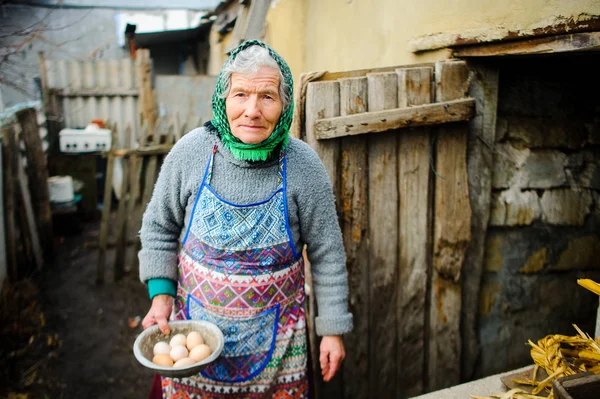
x,y
332,354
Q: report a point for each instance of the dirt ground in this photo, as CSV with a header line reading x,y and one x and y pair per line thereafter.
x,y
64,336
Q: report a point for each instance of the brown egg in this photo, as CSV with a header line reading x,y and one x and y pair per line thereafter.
x,y
186,361
162,359
194,339
200,352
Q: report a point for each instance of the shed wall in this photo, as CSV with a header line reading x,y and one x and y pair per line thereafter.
x,y
545,226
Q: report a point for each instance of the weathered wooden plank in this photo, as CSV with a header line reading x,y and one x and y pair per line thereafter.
x,y
105,218
146,93
160,149
499,34
322,100
573,42
451,234
29,215
357,73
121,223
414,154
9,157
37,172
136,163
383,241
149,181
398,118
256,19
353,206
481,140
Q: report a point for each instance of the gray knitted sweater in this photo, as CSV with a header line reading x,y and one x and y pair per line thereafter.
x,y
312,217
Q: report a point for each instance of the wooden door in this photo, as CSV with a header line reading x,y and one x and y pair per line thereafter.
x,y
394,143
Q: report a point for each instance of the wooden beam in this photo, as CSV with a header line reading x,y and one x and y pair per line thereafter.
x,y
256,19
383,242
353,211
37,172
451,235
322,100
159,149
10,153
108,92
481,139
560,25
414,179
398,118
364,72
587,41
29,215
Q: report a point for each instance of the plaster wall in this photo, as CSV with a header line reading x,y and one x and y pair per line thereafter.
x,y
284,31
340,35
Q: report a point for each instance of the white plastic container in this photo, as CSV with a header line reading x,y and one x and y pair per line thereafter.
x,y
90,139
61,189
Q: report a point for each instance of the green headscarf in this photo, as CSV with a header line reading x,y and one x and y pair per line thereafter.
x,y
279,136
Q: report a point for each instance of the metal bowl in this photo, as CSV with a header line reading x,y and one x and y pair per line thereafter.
x,y
144,345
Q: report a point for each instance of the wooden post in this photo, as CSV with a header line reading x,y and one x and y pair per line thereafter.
x,y
322,100
452,234
353,204
52,109
38,178
29,215
9,157
106,205
383,233
482,136
136,163
414,154
121,224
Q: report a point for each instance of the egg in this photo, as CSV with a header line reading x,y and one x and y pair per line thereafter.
x,y
194,339
162,347
178,352
186,361
178,339
162,359
200,352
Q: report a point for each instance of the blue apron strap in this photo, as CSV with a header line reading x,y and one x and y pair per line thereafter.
x,y
281,177
209,167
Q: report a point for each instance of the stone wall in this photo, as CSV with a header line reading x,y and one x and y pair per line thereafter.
x,y
545,210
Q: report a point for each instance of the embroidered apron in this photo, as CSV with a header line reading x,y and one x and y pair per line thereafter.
x,y
238,268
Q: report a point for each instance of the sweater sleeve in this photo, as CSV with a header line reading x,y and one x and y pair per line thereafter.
x,y
163,219
320,231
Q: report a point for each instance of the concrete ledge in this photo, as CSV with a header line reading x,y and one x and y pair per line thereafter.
x,y
483,387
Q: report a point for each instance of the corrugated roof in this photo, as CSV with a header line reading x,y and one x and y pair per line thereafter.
x,y
196,5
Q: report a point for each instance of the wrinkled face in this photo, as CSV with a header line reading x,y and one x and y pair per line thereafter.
x,y
253,106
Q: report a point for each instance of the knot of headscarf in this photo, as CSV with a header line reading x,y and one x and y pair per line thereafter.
x,y
279,136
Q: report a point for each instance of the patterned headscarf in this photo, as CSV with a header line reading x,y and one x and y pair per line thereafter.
x,y
279,136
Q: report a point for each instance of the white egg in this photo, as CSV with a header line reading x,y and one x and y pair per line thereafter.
x,y
194,339
178,352
186,361
200,352
178,339
162,347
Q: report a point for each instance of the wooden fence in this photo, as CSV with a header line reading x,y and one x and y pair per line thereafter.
x,y
394,144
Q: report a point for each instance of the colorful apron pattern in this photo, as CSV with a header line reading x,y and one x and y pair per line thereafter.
x,y
238,269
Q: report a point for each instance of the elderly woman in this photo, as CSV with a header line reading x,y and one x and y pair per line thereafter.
x,y
243,198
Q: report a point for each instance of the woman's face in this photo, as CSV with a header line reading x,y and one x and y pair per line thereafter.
x,y
253,106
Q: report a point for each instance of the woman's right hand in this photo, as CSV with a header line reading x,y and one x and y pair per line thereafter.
x,y
159,313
